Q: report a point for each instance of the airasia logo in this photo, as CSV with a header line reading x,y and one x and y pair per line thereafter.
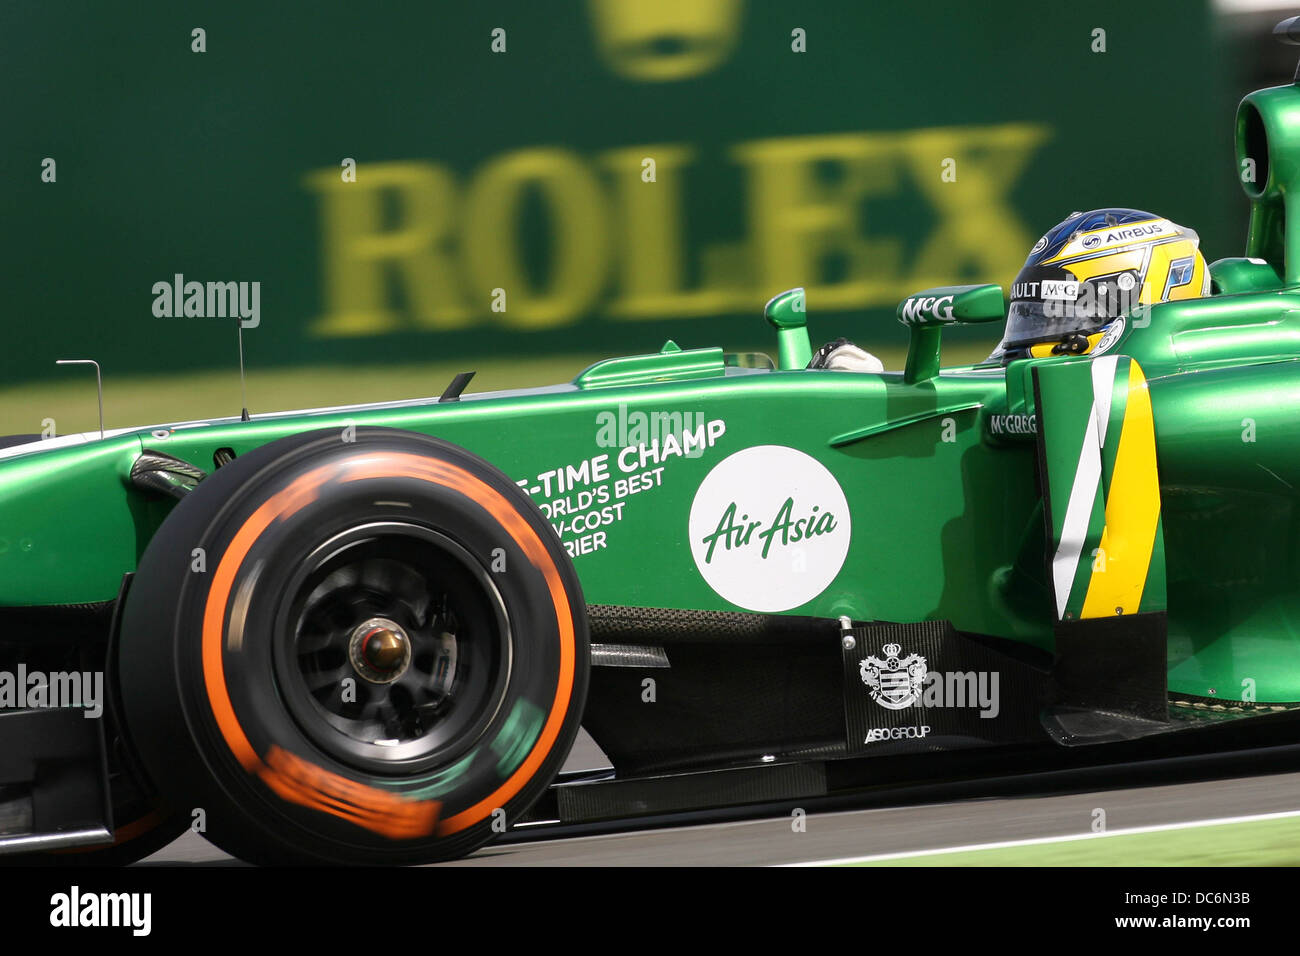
x,y
769,528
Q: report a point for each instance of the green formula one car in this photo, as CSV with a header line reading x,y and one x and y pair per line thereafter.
x,y
370,634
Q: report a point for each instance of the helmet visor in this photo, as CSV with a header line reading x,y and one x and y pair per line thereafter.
x,y
1097,302
1028,322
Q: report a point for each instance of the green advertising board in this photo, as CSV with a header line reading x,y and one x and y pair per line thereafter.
x,y
407,181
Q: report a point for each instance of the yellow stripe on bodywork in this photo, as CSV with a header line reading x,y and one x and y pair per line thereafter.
x,y
1132,511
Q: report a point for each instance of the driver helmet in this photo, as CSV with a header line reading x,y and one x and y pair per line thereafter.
x,y
1089,271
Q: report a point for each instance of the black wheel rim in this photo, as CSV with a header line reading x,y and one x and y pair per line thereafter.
x,y
392,651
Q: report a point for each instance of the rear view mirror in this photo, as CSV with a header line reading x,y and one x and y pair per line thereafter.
x,y
787,313
926,313
954,305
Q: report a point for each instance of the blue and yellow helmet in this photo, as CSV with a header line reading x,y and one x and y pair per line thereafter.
x,y
1093,268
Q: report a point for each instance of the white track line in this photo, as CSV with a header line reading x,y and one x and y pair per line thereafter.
x,y
1039,841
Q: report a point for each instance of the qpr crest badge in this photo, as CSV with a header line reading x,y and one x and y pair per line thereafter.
x,y
896,681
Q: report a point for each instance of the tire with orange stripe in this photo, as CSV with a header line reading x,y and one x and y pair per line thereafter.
x,y
354,648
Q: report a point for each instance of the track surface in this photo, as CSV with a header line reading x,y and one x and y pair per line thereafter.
x,y
836,835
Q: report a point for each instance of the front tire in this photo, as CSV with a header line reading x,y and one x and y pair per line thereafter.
x,y
354,651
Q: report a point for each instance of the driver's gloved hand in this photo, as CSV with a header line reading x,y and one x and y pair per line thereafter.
x,y
844,356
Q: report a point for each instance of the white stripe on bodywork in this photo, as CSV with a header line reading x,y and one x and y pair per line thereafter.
x,y
1087,478
62,441
1103,385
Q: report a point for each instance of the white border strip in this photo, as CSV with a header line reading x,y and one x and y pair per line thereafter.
x,y
1103,388
1078,514
1039,841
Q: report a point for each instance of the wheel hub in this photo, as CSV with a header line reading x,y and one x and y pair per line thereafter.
x,y
379,650
394,647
